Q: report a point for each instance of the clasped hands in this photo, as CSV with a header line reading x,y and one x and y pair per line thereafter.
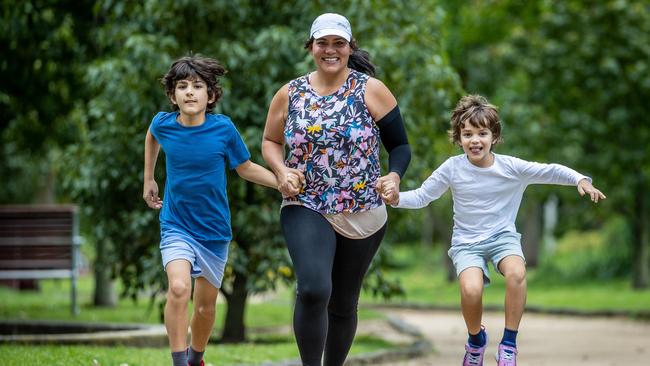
x,y
291,181
388,188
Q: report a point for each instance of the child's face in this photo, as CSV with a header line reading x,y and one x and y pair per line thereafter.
x,y
191,96
477,143
331,53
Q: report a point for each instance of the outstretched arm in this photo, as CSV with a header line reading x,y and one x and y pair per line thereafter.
x,y
150,188
430,190
585,187
536,173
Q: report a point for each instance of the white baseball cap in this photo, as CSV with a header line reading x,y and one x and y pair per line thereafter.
x,y
331,24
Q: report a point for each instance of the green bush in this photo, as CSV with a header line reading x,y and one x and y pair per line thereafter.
x,y
590,255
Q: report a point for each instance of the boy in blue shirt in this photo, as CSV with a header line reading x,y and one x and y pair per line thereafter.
x,y
195,217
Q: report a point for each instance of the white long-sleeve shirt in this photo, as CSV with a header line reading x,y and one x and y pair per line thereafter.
x,y
486,200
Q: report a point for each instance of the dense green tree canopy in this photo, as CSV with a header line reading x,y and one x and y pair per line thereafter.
x,y
80,84
261,46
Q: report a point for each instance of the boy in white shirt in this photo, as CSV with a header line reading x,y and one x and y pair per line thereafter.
x,y
487,189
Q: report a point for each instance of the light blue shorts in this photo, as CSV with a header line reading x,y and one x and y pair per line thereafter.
x,y
494,249
208,259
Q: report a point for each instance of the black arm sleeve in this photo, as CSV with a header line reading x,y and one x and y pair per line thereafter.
x,y
393,136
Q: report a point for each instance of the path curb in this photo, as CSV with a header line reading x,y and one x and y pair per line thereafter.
x,y
69,333
416,349
633,314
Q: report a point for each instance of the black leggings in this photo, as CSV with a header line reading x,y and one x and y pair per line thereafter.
x,y
329,270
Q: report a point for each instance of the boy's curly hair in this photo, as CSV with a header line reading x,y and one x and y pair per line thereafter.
x,y
478,112
193,67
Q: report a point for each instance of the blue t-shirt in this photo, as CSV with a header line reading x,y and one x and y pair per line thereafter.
x,y
195,199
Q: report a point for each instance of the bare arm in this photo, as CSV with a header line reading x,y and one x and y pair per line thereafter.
x,y
257,174
273,144
150,188
379,99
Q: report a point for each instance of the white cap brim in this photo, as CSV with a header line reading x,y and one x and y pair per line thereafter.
x,y
331,32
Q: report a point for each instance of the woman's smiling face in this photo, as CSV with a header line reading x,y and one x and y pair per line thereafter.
x,y
331,53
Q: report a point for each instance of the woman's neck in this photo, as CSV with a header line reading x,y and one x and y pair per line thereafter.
x,y
327,83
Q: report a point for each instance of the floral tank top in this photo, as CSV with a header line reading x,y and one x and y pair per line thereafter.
x,y
334,140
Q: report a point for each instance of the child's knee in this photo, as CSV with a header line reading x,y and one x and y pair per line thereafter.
x,y
179,290
205,310
516,275
471,290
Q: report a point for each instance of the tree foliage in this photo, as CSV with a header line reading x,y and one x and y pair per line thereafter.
x,y
80,86
571,78
44,46
261,46
588,66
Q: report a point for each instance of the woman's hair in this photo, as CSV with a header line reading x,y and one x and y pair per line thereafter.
x,y
478,112
359,59
193,67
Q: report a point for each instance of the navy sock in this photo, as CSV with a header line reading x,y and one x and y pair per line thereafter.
x,y
194,357
477,340
509,337
179,358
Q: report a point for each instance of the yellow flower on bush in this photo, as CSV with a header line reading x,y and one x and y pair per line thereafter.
x,y
284,271
270,275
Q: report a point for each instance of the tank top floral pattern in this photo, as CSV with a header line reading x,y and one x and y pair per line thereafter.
x,y
334,140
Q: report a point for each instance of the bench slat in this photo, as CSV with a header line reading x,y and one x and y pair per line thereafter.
x,y
37,240
36,274
40,264
40,241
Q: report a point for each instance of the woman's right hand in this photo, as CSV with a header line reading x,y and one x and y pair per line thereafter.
x,y
150,194
290,181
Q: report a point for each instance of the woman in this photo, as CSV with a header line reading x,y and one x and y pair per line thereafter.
x,y
333,120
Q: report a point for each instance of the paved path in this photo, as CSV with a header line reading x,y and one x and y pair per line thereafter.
x,y
545,340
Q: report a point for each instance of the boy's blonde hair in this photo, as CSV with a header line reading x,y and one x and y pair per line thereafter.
x,y
478,112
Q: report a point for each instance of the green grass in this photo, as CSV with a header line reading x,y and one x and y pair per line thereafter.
x,y
52,302
90,355
421,271
249,353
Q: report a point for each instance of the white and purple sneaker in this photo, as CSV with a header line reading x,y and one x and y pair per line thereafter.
x,y
506,356
473,355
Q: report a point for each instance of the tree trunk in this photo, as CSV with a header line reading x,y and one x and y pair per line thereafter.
x,y
451,270
234,330
46,192
532,233
104,292
428,224
641,242
442,232
550,222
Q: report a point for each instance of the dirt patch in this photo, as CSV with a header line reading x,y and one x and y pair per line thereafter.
x,y
544,340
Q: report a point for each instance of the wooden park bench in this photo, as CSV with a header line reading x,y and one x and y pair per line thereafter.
x,y
39,242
